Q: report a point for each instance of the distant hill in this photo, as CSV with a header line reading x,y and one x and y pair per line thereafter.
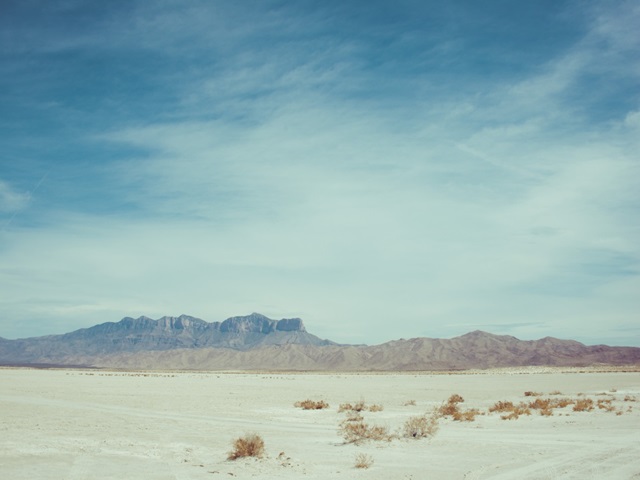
x,y
255,342
167,333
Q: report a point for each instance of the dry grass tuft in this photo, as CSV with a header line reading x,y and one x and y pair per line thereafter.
x,y
583,405
409,403
354,417
606,404
451,409
423,426
358,432
532,394
312,405
511,411
347,407
363,461
360,406
250,445
466,415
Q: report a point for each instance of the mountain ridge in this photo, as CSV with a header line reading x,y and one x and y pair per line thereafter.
x,y
256,342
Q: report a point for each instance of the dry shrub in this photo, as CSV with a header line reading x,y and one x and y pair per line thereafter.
x,y
354,417
546,405
556,392
250,445
583,405
357,407
466,415
606,405
360,406
532,394
363,461
511,411
358,432
311,404
409,403
422,426
450,409
630,398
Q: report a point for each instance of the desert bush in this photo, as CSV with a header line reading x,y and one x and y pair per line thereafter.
x,y
555,392
583,405
353,417
357,407
409,403
363,461
466,415
630,398
358,432
450,408
511,411
250,445
606,404
546,405
311,404
532,394
422,426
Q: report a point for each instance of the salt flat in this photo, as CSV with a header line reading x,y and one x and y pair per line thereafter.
x,y
80,424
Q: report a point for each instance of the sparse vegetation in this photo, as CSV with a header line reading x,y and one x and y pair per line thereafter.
x,y
451,409
348,407
583,405
509,410
532,394
359,406
354,417
312,404
422,426
409,403
251,445
546,406
363,461
359,431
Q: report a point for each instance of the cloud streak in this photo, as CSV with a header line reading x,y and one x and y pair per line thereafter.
x,y
363,178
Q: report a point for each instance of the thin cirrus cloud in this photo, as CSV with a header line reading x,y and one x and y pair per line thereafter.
x,y
376,177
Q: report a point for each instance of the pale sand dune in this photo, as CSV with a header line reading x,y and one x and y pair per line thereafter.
x,y
74,424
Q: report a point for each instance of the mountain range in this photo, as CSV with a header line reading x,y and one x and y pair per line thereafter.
x,y
255,342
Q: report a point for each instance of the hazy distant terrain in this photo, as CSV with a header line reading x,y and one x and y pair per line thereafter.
x,y
255,342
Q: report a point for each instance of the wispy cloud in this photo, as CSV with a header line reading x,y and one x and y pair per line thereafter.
x,y
361,178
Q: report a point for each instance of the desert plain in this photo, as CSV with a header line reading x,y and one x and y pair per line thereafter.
x,y
106,424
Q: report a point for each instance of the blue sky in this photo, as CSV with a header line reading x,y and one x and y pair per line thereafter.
x,y
379,169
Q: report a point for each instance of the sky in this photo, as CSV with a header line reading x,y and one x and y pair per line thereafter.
x,y
381,170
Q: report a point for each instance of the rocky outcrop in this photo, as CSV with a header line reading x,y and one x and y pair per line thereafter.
x,y
167,333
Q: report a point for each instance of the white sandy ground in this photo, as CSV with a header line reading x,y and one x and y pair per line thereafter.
x,y
75,424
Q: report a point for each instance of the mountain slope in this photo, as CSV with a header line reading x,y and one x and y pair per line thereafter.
x,y
167,333
477,350
255,342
